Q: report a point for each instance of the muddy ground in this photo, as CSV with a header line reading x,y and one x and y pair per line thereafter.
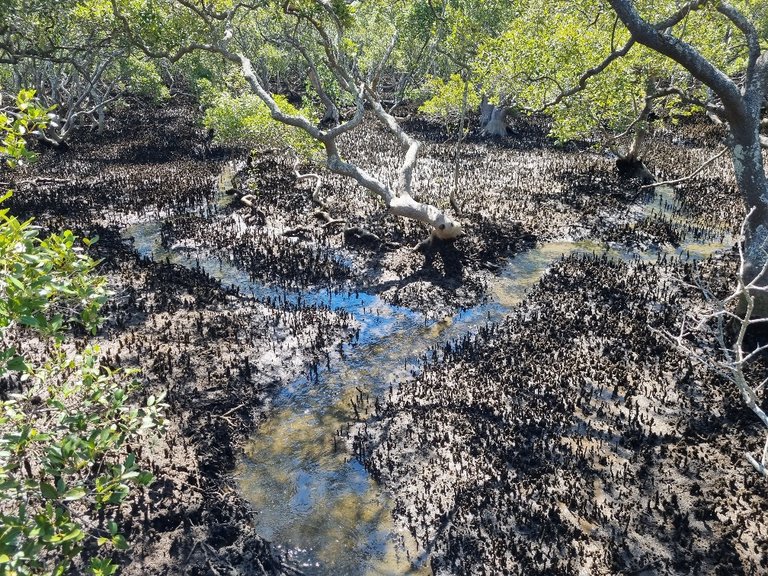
x,y
573,439
568,440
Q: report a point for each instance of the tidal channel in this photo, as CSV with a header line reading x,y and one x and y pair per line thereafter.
x,y
314,501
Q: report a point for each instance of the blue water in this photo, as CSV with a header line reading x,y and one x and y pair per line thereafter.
x,y
313,500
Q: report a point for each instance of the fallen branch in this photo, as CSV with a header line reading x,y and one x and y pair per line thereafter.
x,y
691,175
46,180
235,409
328,221
318,183
301,232
256,213
361,235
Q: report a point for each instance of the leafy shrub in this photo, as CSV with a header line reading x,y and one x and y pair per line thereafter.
x,y
245,119
17,122
446,98
64,460
142,78
66,421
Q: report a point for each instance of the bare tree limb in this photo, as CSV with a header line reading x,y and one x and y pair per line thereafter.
x,y
730,358
398,201
686,178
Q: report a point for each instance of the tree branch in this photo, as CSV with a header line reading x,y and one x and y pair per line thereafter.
x,y
729,358
657,38
750,34
686,178
581,83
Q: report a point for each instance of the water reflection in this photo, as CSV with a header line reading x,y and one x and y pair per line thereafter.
x,y
319,506
322,507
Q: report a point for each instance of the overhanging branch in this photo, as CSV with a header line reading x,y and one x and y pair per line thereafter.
x,y
581,83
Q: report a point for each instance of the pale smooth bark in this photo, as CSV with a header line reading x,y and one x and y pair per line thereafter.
x,y
399,199
493,119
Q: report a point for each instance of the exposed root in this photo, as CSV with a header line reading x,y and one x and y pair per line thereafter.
x,y
424,245
301,232
634,168
329,221
257,215
318,184
359,235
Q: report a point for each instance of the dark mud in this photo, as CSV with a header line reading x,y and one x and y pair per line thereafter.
x,y
217,354
572,439
560,441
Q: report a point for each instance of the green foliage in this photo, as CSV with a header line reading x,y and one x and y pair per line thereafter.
x,y
17,122
246,119
544,50
142,78
64,452
339,10
448,97
456,29
547,46
45,282
67,423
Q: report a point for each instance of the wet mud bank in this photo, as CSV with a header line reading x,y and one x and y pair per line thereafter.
x,y
555,441
218,354
219,357
572,439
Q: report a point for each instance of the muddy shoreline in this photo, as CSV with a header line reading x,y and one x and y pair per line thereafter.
x,y
221,355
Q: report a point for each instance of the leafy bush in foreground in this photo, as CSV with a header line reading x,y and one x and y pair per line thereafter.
x,y
67,422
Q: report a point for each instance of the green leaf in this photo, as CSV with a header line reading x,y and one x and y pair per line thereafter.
x,y
17,364
119,541
145,478
102,567
48,491
75,534
16,282
75,493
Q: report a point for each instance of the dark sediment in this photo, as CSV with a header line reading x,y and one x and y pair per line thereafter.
x,y
573,439
567,438
218,355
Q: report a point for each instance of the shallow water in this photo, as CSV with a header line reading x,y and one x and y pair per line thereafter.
x,y
315,502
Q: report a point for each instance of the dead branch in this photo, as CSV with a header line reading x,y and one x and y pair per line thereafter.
x,y
728,359
686,178
318,183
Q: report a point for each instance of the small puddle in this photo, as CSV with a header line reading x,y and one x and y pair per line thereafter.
x,y
314,501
